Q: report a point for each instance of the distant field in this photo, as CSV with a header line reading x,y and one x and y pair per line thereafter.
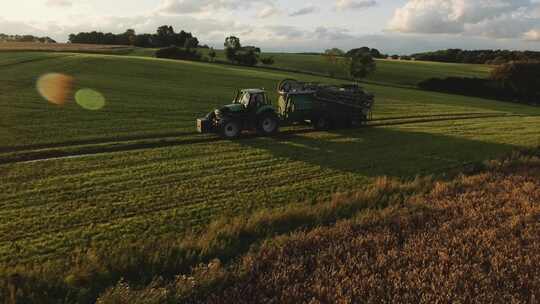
x,y
149,174
62,47
389,72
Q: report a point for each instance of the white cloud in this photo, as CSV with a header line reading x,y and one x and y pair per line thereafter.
x,y
342,5
488,18
58,3
204,6
310,9
268,11
533,35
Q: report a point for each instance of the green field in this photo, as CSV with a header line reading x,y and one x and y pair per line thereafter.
x,y
389,72
139,171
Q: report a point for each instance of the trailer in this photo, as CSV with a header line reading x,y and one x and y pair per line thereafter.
x,y
324,106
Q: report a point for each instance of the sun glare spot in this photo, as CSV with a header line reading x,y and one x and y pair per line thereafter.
x,y
90,99
55,88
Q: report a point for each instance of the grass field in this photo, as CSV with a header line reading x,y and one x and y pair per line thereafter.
x,y
389,72
140,172
471,238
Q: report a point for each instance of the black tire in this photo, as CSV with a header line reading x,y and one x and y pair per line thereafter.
x,y
322,123
230,129
348,123
267,124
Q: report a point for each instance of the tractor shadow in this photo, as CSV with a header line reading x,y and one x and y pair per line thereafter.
x,y
375,152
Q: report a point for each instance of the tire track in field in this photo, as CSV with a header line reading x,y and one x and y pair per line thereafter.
x,y
131,143
157,136
45,58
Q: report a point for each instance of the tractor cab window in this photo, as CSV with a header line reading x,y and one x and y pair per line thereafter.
x,y
259,100
245,99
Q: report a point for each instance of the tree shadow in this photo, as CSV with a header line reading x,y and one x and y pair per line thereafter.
x,y
380,151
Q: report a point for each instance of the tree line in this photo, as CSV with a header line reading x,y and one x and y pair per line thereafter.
x,y
517,81
25,38
495,57
165,36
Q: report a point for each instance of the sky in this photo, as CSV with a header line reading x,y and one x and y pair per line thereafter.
x,y
392,26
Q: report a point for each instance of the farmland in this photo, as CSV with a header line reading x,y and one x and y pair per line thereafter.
x,y
389,72
476,236
63,47
139,172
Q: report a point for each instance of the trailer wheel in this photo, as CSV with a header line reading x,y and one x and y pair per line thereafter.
x,y
268,124
322,123
230,129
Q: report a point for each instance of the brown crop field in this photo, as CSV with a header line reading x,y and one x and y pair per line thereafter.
x,y
62,47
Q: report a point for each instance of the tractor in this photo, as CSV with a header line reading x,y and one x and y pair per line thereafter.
x,y
250,110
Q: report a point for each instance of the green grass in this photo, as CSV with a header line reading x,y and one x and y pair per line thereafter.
x,y
51,207
389,72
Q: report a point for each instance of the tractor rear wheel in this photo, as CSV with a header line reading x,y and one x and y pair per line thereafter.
x,y
230,129
268,124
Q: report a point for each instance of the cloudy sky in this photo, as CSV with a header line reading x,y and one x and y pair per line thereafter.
x,y
394,26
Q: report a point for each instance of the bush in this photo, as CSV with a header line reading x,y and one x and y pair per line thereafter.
x,y
268,60
476,87
174,52
521,77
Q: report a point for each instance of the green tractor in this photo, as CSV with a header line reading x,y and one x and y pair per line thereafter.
x,y
250,110
324,106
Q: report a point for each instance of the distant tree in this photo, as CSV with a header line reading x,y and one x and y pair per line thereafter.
x,y
333,55
174,52
365,50
376,53
523,77
166,35
232,46
191,43
268,60
235,53
130,36
362,65
395,57
248,55
212,54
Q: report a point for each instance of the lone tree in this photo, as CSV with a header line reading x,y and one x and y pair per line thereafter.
x,y
212,54
333,56
232,46
248,55
522,77
359,65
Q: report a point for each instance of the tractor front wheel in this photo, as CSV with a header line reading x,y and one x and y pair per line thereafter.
x,y
230,129
268,125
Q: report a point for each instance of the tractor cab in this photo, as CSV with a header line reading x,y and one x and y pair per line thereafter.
x,y
250,110
252,99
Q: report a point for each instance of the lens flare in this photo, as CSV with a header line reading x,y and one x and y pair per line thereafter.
x,y
55,88
90,99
